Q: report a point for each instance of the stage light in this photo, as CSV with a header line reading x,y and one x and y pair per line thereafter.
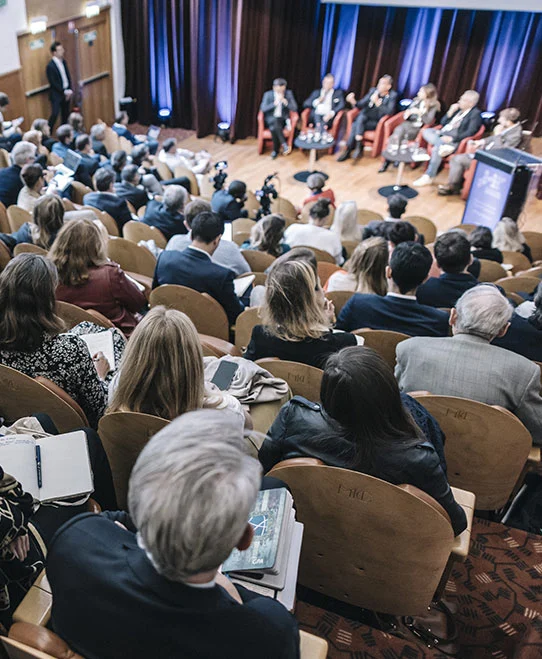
x,y
404,103
92,8
223,131
164,113
38,24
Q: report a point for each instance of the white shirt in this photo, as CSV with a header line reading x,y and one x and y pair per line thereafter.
x,y
341,281
405,297
310,235
227,253
277,112
62,69
325,107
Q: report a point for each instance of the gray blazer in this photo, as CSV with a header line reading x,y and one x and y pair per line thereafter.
x,y
469,367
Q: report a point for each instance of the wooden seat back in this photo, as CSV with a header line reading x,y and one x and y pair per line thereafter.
x,y
467,228
239,237
245,323
4,158
490,271
424,225
17,216
350,246
180,170
365,216
111,140
79,190
108,222
347,554
534,240
5,256
131,257
532,272
125,144
339,299
383,341
124,435
517,260
136,231
284,207
325,270
486,447
320,254
303,380
72,315
252,205
163,170
242,224
258,261
4,222
518,284
22,395
204,311
23,248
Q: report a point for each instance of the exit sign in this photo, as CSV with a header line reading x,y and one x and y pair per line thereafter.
x,y
3,3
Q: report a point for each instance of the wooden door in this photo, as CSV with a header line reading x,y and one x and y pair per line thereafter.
x,y
35,54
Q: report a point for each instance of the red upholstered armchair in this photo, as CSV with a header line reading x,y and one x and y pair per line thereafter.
x,y
462,148
335,126
264,134
372,138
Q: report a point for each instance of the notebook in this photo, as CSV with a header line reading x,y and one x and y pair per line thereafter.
x,y
240,286
50,468
101,342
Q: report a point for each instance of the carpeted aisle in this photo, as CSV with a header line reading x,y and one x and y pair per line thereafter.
x,y
498,595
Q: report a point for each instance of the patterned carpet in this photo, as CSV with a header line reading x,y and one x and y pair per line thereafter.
x,y
497,593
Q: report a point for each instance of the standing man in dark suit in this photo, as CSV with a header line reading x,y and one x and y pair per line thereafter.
x,y
377,103
194,268
325,103
398,311
60,85
463,119
276,106
106,200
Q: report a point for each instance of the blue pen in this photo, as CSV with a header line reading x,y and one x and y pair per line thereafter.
x,y
38,465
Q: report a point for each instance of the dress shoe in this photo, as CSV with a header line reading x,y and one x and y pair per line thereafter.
x,y
286,149
422,181
446,190
358,153
344,155
384,166
274,154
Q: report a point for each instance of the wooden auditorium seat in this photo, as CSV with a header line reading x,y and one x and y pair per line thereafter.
x,y
534,240
4,222
135,231
285,208
180,170
131,257
424,225
244,324
325,270
365,216
258,261
517,260
518,284
72,315
303,380
79,190
491,271
264,134
17,216
339,299
382,341
374,139
320,254
23,248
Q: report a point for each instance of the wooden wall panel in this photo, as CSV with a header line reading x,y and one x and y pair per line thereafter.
x,y
55,10
12,84
34,53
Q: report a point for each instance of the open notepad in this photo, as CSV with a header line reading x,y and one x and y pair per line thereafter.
x,y
101,342
50,468
241,285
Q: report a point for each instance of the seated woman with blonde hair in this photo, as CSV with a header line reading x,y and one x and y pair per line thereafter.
x,y
297,318
267,236
161,372
89,280
48,219
345,222
365,271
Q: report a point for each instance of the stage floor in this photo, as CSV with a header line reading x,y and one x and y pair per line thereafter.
x,y
349,181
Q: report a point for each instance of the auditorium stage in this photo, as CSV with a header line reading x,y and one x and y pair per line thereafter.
x,y
359,181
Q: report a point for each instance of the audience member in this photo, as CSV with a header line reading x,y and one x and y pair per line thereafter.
x,y
190,496
77,123
150,178
165,348
462,120
97,135
398,310
508,238
345,222
377,103
9,130
421,112
397,204
316,183
194,268
481,240
34,181
31,338
229,203
364,424
365,271
267,236
466,365
106,200
325,103
314,234
43,126
276,106
90,160
89,280
34,137
376,229
297,318
48,218
119,160
23,153
226,254
120,127
452,252
401,232
167,215
129,187
198,163
64,136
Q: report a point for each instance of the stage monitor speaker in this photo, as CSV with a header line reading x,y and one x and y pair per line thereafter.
x,y
500,185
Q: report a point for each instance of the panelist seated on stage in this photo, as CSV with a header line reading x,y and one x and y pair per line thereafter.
x,y
423,110
314,234
276,105
152,576
377,103
106,200
462,120
466,365
398,310
195,269
507,133
121,128
325,103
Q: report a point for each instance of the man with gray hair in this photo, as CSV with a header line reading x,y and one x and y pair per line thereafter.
x,y
129,188
466,365
462,120
23,153
168,214
148,585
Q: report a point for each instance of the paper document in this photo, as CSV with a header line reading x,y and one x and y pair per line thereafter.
x,y
241,285
101,342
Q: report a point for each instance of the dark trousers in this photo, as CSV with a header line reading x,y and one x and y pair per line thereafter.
x,y
361,123
180,180
276,126
316,119
59,106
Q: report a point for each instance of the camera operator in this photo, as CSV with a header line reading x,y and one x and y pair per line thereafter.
x,y
229,203
265,195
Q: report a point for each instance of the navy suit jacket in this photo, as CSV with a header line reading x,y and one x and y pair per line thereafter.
x,y
136,196
445,291
392,313
227,206
523,338
194,269
56,90
110,203
337,101
10,184
268,104
469,125
141,614
170,224
389,104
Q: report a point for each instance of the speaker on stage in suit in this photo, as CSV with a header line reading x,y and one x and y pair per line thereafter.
x,y
324,103
60,85
276,105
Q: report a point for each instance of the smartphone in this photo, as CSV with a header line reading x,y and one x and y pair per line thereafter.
x,y
224,375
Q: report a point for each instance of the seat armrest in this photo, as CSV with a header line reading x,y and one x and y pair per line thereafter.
x,y
35,607
467,501
312,647
41,639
